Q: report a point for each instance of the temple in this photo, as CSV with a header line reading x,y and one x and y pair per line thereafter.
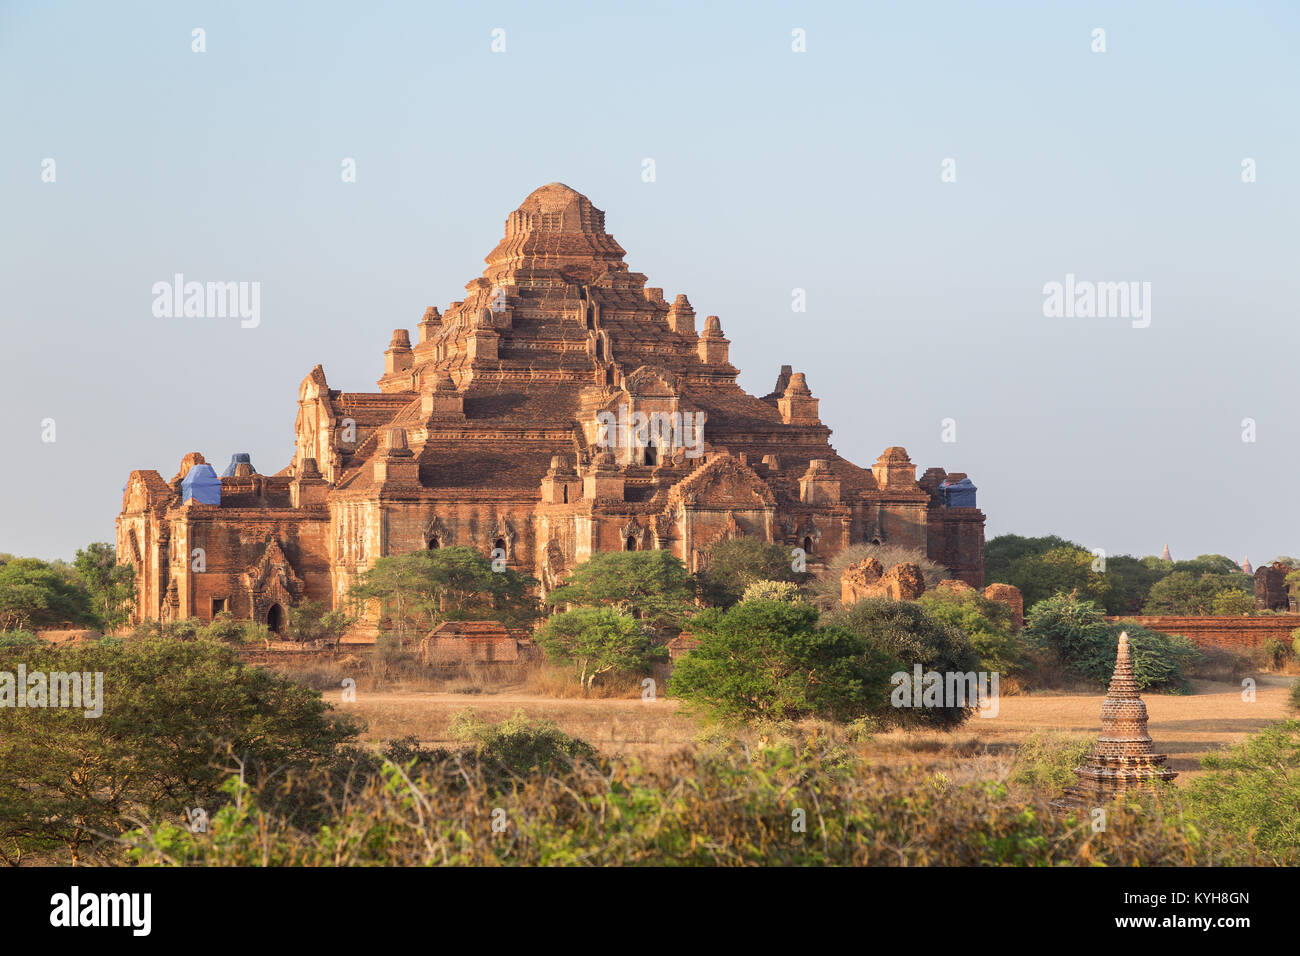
x,y
562,407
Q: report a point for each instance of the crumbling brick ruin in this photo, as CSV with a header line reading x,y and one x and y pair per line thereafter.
x,y
560,408
1272,593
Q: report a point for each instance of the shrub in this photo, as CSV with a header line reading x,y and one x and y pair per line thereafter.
x,y
1045,761
1085,643
1252,792
1232,601
175,716
519,747
906,632
769,660
726,810
1273,654
771,591
987,624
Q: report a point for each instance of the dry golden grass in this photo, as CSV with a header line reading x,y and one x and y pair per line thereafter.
x,y
1185,727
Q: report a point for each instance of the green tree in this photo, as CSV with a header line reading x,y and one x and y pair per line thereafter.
x,y
596,641
735,563
111,585
35,594
311,622
1231,601
651,586
175,716
987,624
1005,549
907,632
770,660
1058,571
1183,592
418,591
1129,583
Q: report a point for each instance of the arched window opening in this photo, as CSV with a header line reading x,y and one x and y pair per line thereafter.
x,y
499,544
565,494
651,454
434,543
275,619
807,545
631,543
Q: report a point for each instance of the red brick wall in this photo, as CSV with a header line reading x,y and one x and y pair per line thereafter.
x,y
1223,631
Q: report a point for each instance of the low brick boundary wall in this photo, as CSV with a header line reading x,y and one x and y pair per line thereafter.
x,y
1222,631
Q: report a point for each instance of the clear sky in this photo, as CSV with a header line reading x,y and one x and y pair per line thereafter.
x,y
775,170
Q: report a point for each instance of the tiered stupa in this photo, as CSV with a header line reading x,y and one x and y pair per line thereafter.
x,y
1124,759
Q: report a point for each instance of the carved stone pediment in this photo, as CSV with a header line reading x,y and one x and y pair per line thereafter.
x,y
724,484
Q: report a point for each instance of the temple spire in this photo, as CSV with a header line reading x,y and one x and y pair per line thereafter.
x,y
1124,758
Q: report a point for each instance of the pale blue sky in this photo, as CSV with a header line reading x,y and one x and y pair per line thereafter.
x,y
775,170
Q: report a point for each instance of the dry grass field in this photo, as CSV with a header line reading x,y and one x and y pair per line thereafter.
x,y
1185,727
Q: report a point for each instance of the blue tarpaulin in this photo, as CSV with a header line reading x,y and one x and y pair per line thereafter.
x,y
202,484
959,494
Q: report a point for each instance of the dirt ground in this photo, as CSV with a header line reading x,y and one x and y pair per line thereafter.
x,y
1185,727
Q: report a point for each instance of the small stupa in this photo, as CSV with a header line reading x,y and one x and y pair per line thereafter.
x,y
1165,555
1124,759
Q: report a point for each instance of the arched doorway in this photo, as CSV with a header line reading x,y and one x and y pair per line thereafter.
x,y
275,619
433,543
499,545
807,545
630,544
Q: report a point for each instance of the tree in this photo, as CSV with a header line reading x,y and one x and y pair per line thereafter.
x,y
35,594
595,641
175,718
735,563
987,624
1057,571
770,660
1001,552
907,632
311,622
111,585
1231,601
1183,592
1129,583
651,586
418,591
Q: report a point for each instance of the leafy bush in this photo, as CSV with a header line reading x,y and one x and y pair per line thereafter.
x,y
518,747
1045,761
1077,634
1252,792
175,716
769,660
987,624
906,632
1274,654
1232,601
771,591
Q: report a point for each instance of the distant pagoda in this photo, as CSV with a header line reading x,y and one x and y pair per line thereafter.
x,y
1124,759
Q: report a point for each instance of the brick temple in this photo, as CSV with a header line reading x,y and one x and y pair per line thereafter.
x,y
1124,759
562,407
